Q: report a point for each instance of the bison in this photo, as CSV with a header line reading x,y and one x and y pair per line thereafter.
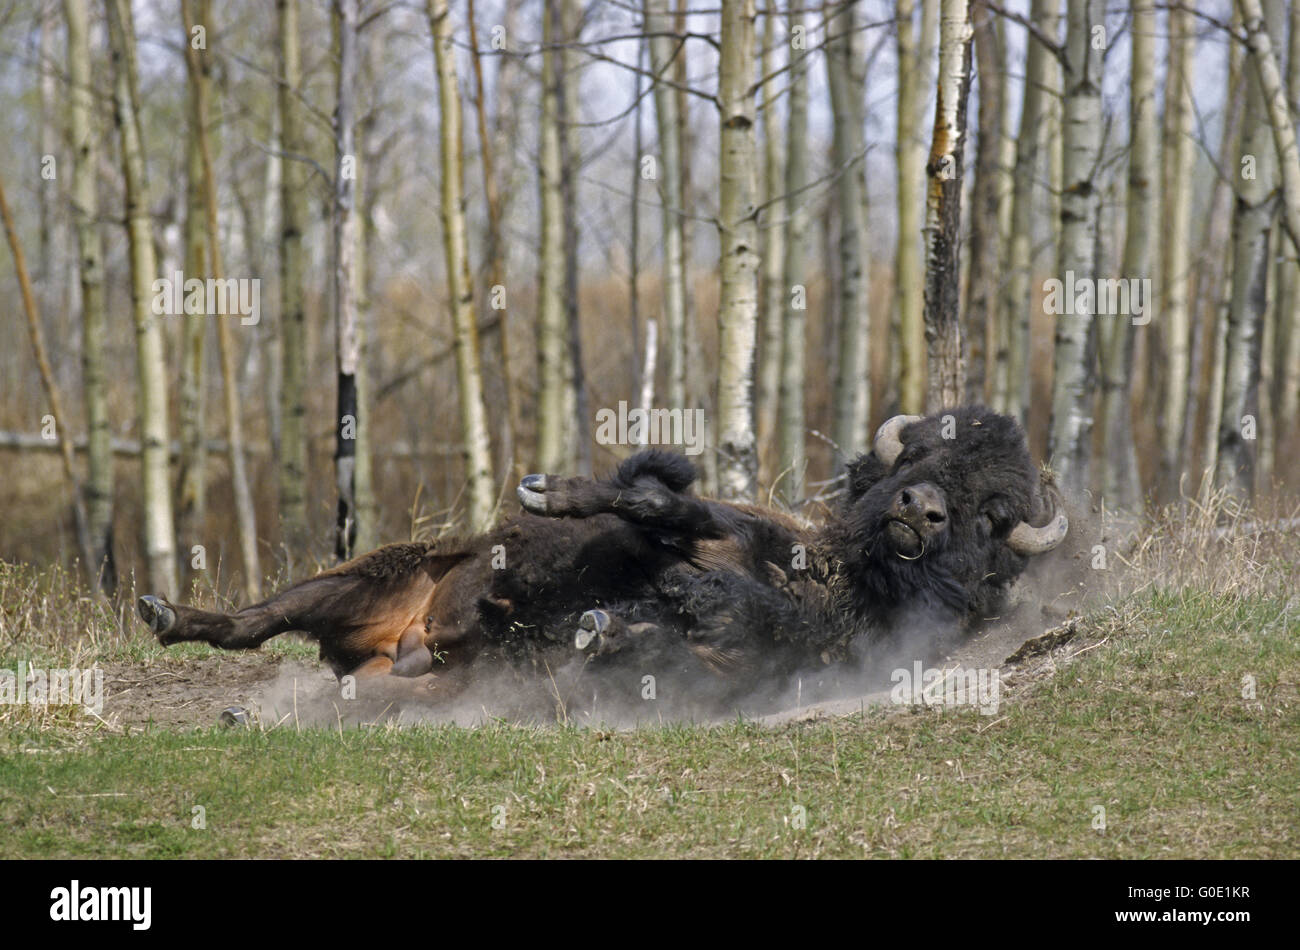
x,y
936,521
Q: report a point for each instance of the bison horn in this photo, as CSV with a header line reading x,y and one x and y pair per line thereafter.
x,y
1027,540
888,444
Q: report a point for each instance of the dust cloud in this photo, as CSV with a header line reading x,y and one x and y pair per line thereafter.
x,y
570,690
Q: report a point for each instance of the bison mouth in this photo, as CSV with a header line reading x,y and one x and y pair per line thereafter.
x,y
904,539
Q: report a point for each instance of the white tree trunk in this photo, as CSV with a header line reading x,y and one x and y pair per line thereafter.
x,y
1120,487
1033,162
553,367
500,387
293,328
913,75
159,533
1239,423
668,121
1288,314
1176,271
946,384
473,415
984,273
851,407
1071,429
774,214
1277,115
738,241
794,301
84,140
346,326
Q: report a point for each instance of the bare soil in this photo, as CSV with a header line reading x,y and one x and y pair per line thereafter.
x,y
177,693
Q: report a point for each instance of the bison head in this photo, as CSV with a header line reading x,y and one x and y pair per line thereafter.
x,y
942,513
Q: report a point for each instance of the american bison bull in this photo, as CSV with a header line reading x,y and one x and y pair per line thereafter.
x,y
937,521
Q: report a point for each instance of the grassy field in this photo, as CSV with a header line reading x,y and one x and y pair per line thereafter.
x,y
1168,727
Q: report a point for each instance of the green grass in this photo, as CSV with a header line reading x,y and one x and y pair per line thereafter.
x,y
1150,724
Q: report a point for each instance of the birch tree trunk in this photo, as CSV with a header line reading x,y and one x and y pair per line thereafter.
x,y
1042,80
851,407
349,421
636,364
699,389
1239,421
1266,429
913,58
946,383
1120,486
1288,314
478,456
1071,426
1276,113
576,395
983,270
46,137
1212,277
737,236
1176,274
553,367
90,254
770,317
292,480
245,518
191,501
794,303
1000,332
159,536
663,49
496,258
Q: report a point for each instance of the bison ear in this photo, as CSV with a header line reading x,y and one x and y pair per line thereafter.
x,y
864,472
437,565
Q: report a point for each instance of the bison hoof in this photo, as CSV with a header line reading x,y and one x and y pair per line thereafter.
x,y
155,612
590,626
531,492
236,716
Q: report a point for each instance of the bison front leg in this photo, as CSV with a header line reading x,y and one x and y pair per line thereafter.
x,y
735,623
602,632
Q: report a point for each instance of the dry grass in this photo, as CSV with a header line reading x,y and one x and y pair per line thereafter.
x,y
1216,545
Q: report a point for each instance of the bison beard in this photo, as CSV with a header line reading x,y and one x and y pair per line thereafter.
x,y
635,569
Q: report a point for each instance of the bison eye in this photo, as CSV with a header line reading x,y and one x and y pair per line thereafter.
x,y
993,520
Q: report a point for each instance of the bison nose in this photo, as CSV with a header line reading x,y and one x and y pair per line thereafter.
x,y
921,506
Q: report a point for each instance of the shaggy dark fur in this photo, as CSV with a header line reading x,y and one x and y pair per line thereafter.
x,y
637,566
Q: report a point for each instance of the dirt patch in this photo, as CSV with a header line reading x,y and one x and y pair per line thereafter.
x,y
184,693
